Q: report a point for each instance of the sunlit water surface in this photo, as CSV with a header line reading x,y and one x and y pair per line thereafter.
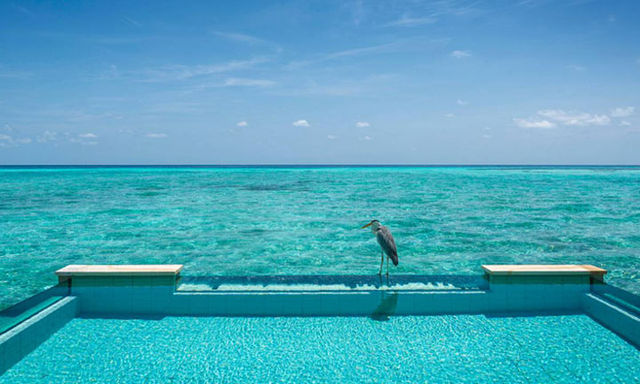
x,y
405,349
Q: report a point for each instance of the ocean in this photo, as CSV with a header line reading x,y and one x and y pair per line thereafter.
x,y
306,220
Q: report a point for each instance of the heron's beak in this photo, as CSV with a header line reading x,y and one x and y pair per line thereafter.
x,y
367,225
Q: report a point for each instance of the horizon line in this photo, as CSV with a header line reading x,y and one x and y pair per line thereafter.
x,y
310,165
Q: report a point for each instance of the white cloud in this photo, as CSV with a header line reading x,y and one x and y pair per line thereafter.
x,y
367,138
240,82
462,102
574,118
449,115
362,124
622,111
88,135
332,137
157,135
301,123
530,123
625,123
552,117
458,54
242,124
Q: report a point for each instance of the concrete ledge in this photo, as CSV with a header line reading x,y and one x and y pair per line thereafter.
x,y
120,270
540,269
544,274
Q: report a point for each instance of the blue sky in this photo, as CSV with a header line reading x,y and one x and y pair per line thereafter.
x,y
212,82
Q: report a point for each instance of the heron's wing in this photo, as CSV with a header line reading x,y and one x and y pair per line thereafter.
x,y
385,239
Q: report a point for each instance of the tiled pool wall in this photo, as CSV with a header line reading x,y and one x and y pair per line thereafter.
x,y
18,341
128,296
118,295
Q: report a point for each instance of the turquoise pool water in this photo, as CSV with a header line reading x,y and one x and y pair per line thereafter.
x,y
248,221
438,349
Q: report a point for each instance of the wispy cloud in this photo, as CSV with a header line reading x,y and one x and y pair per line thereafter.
x,y
411,21
361,51
301,123
82,138
398,45
23,10
362,124
97,39
370,50
248,39
182,72
449,115
130,21
47,136
534,123
240,37
7,141
6,73
574,118
459,54
242,124
367,138
462,102
157,135
332,137
241,82
577,68
622,111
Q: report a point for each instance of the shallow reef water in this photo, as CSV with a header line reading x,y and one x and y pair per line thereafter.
x,y
305,221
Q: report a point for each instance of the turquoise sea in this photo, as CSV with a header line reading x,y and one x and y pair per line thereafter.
x,y
297,220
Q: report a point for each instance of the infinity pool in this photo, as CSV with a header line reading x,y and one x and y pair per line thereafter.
x,y
411,349
146,323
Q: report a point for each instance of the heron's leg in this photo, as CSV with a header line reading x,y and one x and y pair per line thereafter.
x,y
387,265
381,262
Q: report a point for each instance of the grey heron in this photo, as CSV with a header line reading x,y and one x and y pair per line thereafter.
x,y
387,244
